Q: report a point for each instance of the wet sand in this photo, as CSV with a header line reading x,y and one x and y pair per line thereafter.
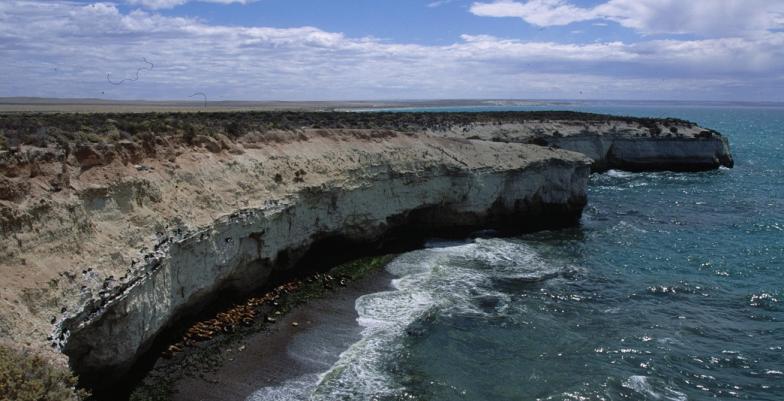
x,y
307,340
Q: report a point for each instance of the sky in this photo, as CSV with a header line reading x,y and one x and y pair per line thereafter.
x,y
731,50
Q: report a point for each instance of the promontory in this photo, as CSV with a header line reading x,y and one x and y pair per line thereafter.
x,y
115,226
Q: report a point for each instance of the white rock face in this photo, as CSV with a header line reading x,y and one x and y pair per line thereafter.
x,y
524,187
650,154
102,258
616,143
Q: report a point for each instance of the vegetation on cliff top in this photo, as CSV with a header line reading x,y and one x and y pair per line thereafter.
x,y
40,129
28,377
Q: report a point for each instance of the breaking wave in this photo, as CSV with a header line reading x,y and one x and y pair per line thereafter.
x,y
443,280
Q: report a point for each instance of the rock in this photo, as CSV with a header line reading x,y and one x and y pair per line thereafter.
x,y
130,152
35,170
12,190
208,143
89,156
538,188
227,143
617,142
288,194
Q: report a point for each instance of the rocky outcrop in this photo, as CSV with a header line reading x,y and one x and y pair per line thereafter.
x,y
123,251
624,144
106,246
241,251
650,154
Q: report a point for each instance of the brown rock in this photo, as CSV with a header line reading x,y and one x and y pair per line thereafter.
x,y
11,190
89,156
130,152
208,143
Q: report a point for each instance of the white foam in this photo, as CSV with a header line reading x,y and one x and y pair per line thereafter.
x,y
624,226
641,385
446,280
773,372
296,389
619,174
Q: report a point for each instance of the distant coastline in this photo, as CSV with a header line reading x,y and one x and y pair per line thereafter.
x,y
96,105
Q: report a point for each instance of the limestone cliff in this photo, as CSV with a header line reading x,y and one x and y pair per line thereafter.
x,y
115,225
625,144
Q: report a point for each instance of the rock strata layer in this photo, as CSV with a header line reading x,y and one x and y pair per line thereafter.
x,y
241,251
631,145
107,245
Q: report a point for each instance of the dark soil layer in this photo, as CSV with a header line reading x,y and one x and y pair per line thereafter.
x,y
71,128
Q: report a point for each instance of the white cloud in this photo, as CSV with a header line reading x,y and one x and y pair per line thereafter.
x,y
439,3
711,18
66,49
160,4
536,12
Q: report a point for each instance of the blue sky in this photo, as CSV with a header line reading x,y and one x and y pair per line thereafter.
x,y
401,21
401,49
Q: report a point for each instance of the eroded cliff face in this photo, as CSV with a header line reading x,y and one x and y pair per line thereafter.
x,y
240,252
630,145
112,257
105,246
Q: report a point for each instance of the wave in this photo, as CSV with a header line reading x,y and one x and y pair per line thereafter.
x,y
442,281
297,389
626,227
643,386
619,174
764,300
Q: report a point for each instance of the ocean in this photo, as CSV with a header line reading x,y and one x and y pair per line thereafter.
x,y
671,288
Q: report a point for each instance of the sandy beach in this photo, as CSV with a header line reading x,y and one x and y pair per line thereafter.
x,y
307,340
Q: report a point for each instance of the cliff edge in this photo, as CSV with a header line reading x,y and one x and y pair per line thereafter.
x,y
623,143
115,225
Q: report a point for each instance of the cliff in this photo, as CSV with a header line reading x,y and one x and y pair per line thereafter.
x,y
116,226
632,144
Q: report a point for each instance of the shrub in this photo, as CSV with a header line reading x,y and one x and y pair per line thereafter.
x,y
234,130
40,129
91,137
28,377
189,135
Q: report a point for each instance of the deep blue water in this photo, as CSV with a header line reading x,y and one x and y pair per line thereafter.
x,y
672,288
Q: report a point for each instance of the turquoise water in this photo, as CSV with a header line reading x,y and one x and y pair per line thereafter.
x,y
672,288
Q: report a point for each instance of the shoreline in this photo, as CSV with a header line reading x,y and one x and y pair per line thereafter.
x,y
326,327
306,338
166,216
10,105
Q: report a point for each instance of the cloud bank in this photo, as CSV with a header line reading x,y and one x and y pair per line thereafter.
x,y
66,49
713,18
